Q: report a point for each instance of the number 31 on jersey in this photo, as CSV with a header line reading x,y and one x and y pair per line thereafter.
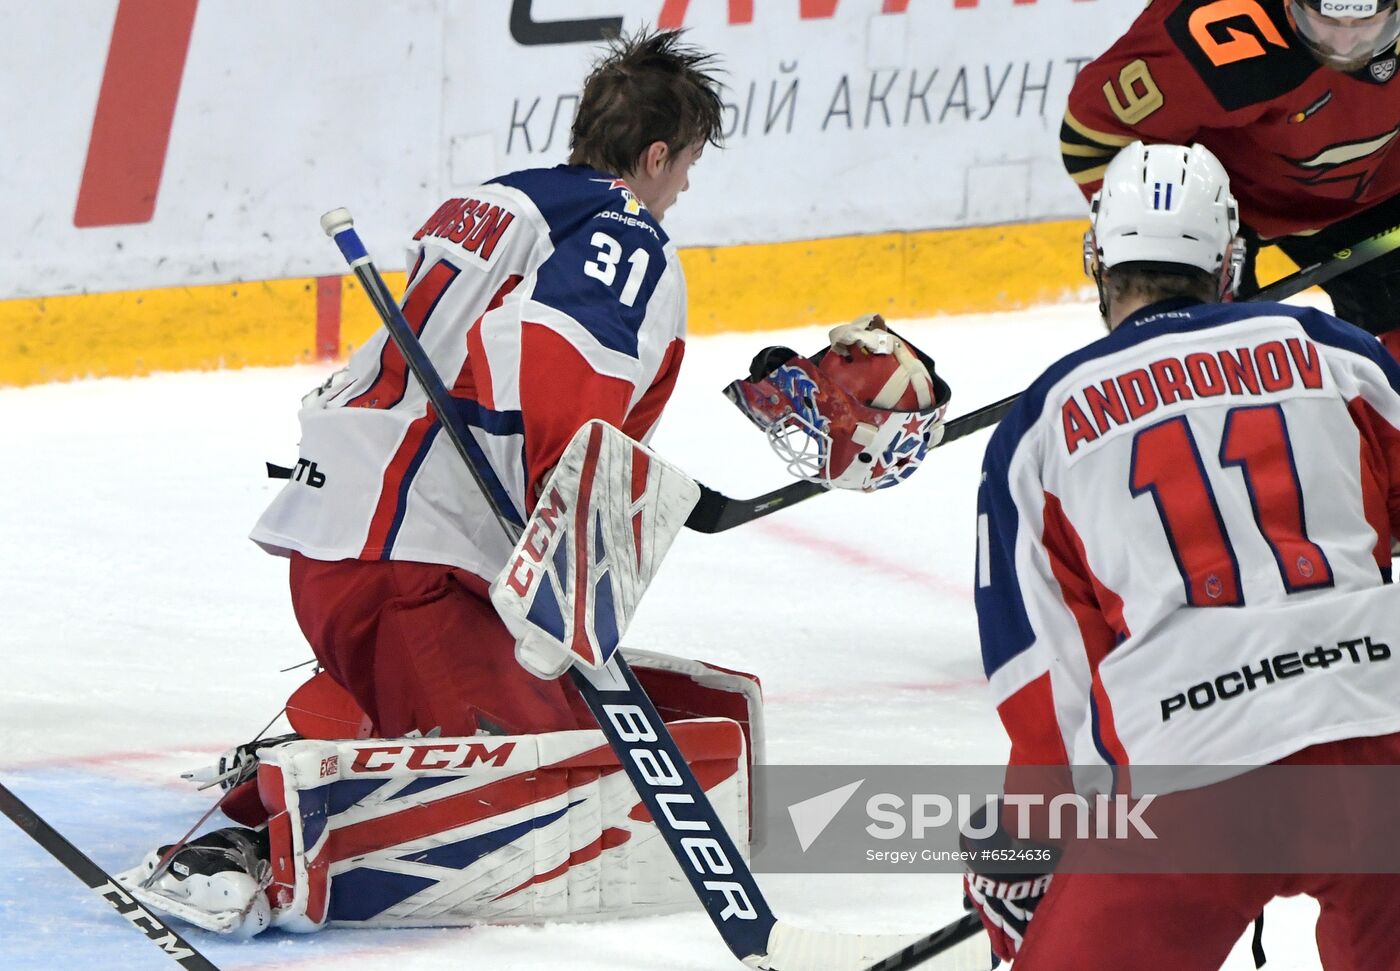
x,y
603,266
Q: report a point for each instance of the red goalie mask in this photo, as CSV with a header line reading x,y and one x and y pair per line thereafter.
x,y
860,414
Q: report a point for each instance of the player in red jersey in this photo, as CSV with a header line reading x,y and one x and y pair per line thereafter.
x,y
1295,97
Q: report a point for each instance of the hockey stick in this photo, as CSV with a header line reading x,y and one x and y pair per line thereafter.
x,y
917,954
678,805
97,880
717,512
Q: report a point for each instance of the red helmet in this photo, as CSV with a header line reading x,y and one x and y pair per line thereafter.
x,y
860,414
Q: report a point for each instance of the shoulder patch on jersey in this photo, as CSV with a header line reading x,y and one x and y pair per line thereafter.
x,y
630,203
569,196
1243,50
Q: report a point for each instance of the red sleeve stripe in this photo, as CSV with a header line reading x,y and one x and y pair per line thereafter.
x,y
648,410
474,380
393,494
391,382
1380,475
1029,717
1097,610
558,393
1106,735
413,273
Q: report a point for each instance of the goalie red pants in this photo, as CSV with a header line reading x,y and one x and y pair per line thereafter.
x,y
1190,921
419,646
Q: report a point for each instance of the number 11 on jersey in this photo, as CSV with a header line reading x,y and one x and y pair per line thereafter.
x,y
1168,466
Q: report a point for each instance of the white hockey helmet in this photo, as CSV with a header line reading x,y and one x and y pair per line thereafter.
x,y
1166,206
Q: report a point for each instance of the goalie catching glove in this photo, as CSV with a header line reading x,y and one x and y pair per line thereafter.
x,y
860,414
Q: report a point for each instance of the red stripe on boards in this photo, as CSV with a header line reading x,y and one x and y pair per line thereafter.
x,y
135,111
672,15
327,317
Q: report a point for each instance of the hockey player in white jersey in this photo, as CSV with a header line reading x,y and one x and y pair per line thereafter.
x,y
544,298
1170,520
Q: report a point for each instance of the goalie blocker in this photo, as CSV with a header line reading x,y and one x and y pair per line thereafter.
x,y
607,514
434,832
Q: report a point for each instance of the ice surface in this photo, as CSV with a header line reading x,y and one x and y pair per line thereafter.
x,y
142,632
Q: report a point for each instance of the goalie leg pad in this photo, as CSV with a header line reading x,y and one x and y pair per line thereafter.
x,y
436,832
681,687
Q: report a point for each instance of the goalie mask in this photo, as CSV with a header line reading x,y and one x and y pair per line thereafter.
x,y
860,414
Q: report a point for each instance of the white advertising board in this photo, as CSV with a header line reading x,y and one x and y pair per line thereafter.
x,y
843,117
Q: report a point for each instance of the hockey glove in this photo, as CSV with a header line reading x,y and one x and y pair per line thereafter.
x,y
1006,880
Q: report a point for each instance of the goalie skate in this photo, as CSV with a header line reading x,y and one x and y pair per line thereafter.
x,y
215,882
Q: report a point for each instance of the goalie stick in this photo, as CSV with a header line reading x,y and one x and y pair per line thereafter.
x,y
678,805
717,512
97,880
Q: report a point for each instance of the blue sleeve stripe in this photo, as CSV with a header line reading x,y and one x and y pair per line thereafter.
x,y
1003,624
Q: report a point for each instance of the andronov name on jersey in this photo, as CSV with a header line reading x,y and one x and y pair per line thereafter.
x,y
1268,367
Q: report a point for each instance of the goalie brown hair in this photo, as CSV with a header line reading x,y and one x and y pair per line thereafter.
x,y
648,88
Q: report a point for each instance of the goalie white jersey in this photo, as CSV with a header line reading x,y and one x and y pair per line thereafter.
x,y
543,298
1184,543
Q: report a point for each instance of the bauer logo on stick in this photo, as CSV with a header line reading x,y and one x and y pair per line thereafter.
x,y
860,414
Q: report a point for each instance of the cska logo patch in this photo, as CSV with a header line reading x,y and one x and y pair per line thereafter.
x,y
632,205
